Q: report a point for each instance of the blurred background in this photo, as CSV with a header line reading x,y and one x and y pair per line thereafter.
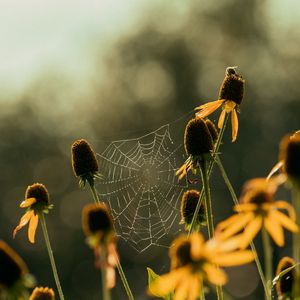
x,y
109,70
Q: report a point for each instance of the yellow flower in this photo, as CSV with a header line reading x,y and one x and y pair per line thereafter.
x,y
192,261
230,97
36,201
258,209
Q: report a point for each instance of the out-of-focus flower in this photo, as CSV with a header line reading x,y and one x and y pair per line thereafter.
x,y
42,293
230,97
198,144
84,162
257,209
192,261
98,226
188,206
36,201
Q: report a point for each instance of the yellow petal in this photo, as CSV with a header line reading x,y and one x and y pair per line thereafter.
x,y
214,274
234,125
285,221
234,258
181,169
28,202
229,106
243,207
288,207
251,231
227,222
197,242
32,227
23,222
275,169
208,108
183,288
275,230
195,287
221,118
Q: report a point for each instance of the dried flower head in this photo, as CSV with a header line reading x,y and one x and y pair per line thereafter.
x,y
189,202
230,97
42,293
97,223
12,267
212,129
36,201
84,162
284,285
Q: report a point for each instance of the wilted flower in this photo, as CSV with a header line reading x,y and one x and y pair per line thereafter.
x,y
257,209
84,162
98,226
188,206
198,144
230,97
42,293
192,261
36,201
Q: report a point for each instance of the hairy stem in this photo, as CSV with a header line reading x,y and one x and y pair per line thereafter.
x,y
50,252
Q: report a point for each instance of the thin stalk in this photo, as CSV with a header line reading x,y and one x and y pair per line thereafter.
x,y
268,258
119,266
209,214
50,252
105,290
236,202
210,167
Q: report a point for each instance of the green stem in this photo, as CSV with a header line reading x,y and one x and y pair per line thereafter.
x,y
50,252
119,266
268,258
236,202
209,214
210,167
105,290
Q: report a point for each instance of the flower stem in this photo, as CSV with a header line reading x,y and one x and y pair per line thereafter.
x,y
119,266
209,214
268,259
105,290
236,202
210,166
50,252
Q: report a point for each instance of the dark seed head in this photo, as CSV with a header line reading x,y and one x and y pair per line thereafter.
x,y
284,285
197,138
42,293
96,218
83,158
189,202
180,252
212,129
12,267
232,88
39,192
290,154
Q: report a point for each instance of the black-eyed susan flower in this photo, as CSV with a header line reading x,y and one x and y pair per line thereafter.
x,y
84,162
230,97
98,227
257,209
189,202
285,284
36,201
198,144
193,261
42,293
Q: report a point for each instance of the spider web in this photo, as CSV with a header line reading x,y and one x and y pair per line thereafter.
x,y
141,188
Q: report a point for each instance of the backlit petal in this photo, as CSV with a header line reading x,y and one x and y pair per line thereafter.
x,y
243,207
208,108
221,119
229,106
285,221
195,287
234,258
288,207
234,125
275,169
28,202
214,274
251,231
275,230
23,222
32,227
197,242
183,288
222,225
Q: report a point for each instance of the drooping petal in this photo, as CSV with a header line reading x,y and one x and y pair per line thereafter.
x,y
234,258
32,227
285,221
251,231
214,274
274,229
221,119
288,207
110,277
275,169
197,242
222,225
234,125
23,222
28,202
195,287
208,108
244,207
183,288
